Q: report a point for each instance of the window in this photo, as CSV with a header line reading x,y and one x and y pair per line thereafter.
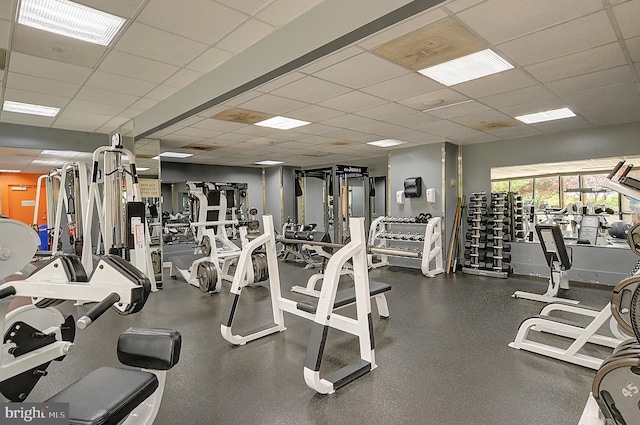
x,y
500,186
524,187
547,192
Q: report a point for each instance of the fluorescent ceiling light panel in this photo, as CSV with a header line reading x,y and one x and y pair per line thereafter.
x,y
173,155
67,154
387,143
467,68
282,123
9,171
70,19
142,169
269,162
28,108
47,162
556,114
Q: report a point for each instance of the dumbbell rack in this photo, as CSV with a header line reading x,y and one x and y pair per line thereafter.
x,y
381,236
517,224
486,253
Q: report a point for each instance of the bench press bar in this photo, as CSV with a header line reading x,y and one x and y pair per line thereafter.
x,y
370,249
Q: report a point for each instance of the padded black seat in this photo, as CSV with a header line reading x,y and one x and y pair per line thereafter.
x,y
344,297
106,396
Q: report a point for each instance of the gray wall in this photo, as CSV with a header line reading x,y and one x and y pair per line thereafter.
x,y
314,209
602,142
273,195
167,202
423,161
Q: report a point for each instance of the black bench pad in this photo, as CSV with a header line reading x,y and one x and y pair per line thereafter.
x,y
344,297
106,396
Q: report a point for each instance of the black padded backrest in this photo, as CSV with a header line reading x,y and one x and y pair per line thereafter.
x,y
157,349
553,246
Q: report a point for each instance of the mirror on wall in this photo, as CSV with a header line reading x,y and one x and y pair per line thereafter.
x,y
568,194
148,167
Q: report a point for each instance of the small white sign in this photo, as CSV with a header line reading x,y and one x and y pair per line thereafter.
x,y
27,203
149,188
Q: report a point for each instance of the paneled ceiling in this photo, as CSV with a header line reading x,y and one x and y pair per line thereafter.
x,y
581,54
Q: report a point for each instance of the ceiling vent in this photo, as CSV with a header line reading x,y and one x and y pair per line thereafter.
x,y
433,44
241,116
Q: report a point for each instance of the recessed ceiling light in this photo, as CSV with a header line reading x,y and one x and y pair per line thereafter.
x,y
467,68
70,19
68,154
173,155
142,169
269,162
556,114
9,171
282,123
28,108
386,143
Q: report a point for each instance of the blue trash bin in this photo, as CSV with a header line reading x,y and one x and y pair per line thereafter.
x,y
44,237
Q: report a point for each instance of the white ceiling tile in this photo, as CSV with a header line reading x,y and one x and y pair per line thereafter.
x,y
315,128
35,84
330,59
209,60
402,87
122,63
497,83
35,42
355,136
614,111
628,15
362,70
415,120
352,102
240,99
348,121
612,76
501,20
388,110
5,10
247,6
516,97
458,110
602,93
460,5
279,82
120,84
560,40
199,20
113,124
130,113
402,28
35,98
310,89
161,92
314,113
196,132
446,128
94,107
46,68
93,120
152,43
555,126
633,44
122,8
104,96
272,104
596,59
515,132
4,34
486,116
534,107
282,12
380,128
217,125
247,34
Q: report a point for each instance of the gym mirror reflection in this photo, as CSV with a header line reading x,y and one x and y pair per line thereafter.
x,y
148,167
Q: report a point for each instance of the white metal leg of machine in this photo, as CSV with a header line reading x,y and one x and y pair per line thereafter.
x,y
581,335
559,280
591,415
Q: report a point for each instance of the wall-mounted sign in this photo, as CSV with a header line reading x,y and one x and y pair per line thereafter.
x,y
149,188
21,188
27,203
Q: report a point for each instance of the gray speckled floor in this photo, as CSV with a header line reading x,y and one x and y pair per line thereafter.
x,y
442,358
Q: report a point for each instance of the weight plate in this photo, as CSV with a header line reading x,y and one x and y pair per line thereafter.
x,y
207,276
206,245
633,239
622,301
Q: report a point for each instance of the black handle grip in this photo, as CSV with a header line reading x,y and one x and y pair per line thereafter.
x,y
98,310
7,292
615,170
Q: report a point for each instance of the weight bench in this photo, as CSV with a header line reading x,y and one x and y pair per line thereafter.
x,y
347,296
108,395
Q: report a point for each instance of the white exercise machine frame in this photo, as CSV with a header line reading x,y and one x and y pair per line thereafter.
x,y
325,316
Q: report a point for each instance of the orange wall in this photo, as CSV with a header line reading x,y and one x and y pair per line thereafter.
x,y
13,208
